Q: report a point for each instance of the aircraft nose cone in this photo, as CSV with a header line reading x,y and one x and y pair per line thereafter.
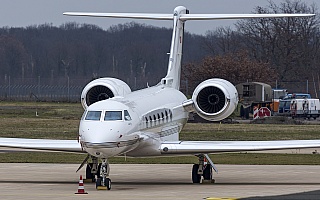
x,y
106,139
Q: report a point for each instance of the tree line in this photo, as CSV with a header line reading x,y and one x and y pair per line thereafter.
x,y
283,49
82,51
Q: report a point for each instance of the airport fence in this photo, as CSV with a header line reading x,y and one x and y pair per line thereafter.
x,y
40,93
47,89
70,90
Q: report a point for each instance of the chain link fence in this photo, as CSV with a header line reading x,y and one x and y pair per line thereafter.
x,y
69,90
40,93
48,89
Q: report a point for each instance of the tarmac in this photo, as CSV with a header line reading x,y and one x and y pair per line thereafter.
x,y
161,181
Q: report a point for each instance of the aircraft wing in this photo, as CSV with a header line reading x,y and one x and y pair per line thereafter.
x,y
197,147
42,144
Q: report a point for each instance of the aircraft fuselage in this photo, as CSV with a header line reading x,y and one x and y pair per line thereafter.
x,y
143,119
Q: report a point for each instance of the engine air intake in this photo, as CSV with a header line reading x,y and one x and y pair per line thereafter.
x,y
211,99
98,93
102,89
214,99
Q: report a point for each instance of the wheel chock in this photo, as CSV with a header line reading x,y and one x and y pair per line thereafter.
x,y
208,181
101,187
88,180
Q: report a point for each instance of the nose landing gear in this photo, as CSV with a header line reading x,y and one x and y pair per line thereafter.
x,y
103,182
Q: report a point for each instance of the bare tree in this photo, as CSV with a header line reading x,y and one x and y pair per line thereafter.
x,y
291,45
222,40
13,57
234,67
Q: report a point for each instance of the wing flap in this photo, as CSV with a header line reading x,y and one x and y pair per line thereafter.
x,y
196,147
42,144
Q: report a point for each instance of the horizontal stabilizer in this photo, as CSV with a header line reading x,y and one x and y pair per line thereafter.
x,y
183,17
186,17
123,15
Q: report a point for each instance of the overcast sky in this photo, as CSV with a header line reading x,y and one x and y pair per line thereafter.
x,y
22,13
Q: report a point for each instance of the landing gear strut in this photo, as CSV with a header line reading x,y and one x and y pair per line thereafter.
x,y
103,182
203,169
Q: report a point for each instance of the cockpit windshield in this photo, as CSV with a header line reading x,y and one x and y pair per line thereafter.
x,y
108,115
93,115
113,115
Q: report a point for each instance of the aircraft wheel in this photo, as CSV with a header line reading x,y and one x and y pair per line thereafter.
x,y
108,183
89,175
196,178
98,171
98,182
207,172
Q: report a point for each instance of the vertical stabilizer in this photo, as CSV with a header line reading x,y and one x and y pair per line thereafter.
x,y
172,78
180,15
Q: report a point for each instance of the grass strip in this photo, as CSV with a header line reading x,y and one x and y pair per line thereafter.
x,y
228,158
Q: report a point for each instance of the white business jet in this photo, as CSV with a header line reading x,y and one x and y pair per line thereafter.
x,y
147,122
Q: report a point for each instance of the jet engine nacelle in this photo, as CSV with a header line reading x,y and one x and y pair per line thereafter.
x,y
215,99
101,89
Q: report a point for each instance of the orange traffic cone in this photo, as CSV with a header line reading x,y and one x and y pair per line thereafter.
x,y
81,187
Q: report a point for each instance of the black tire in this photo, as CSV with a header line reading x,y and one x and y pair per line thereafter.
x,y
99,170
196,178
98,182
108,183
207,172
89,175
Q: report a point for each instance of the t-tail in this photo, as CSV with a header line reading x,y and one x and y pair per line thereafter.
x,y
179,17
172,78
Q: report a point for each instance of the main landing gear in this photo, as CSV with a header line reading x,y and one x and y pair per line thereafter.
x,y
203,169
99,173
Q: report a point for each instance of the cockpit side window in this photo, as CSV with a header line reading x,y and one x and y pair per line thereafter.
x,y
127,116
93,115
84,115
113,115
